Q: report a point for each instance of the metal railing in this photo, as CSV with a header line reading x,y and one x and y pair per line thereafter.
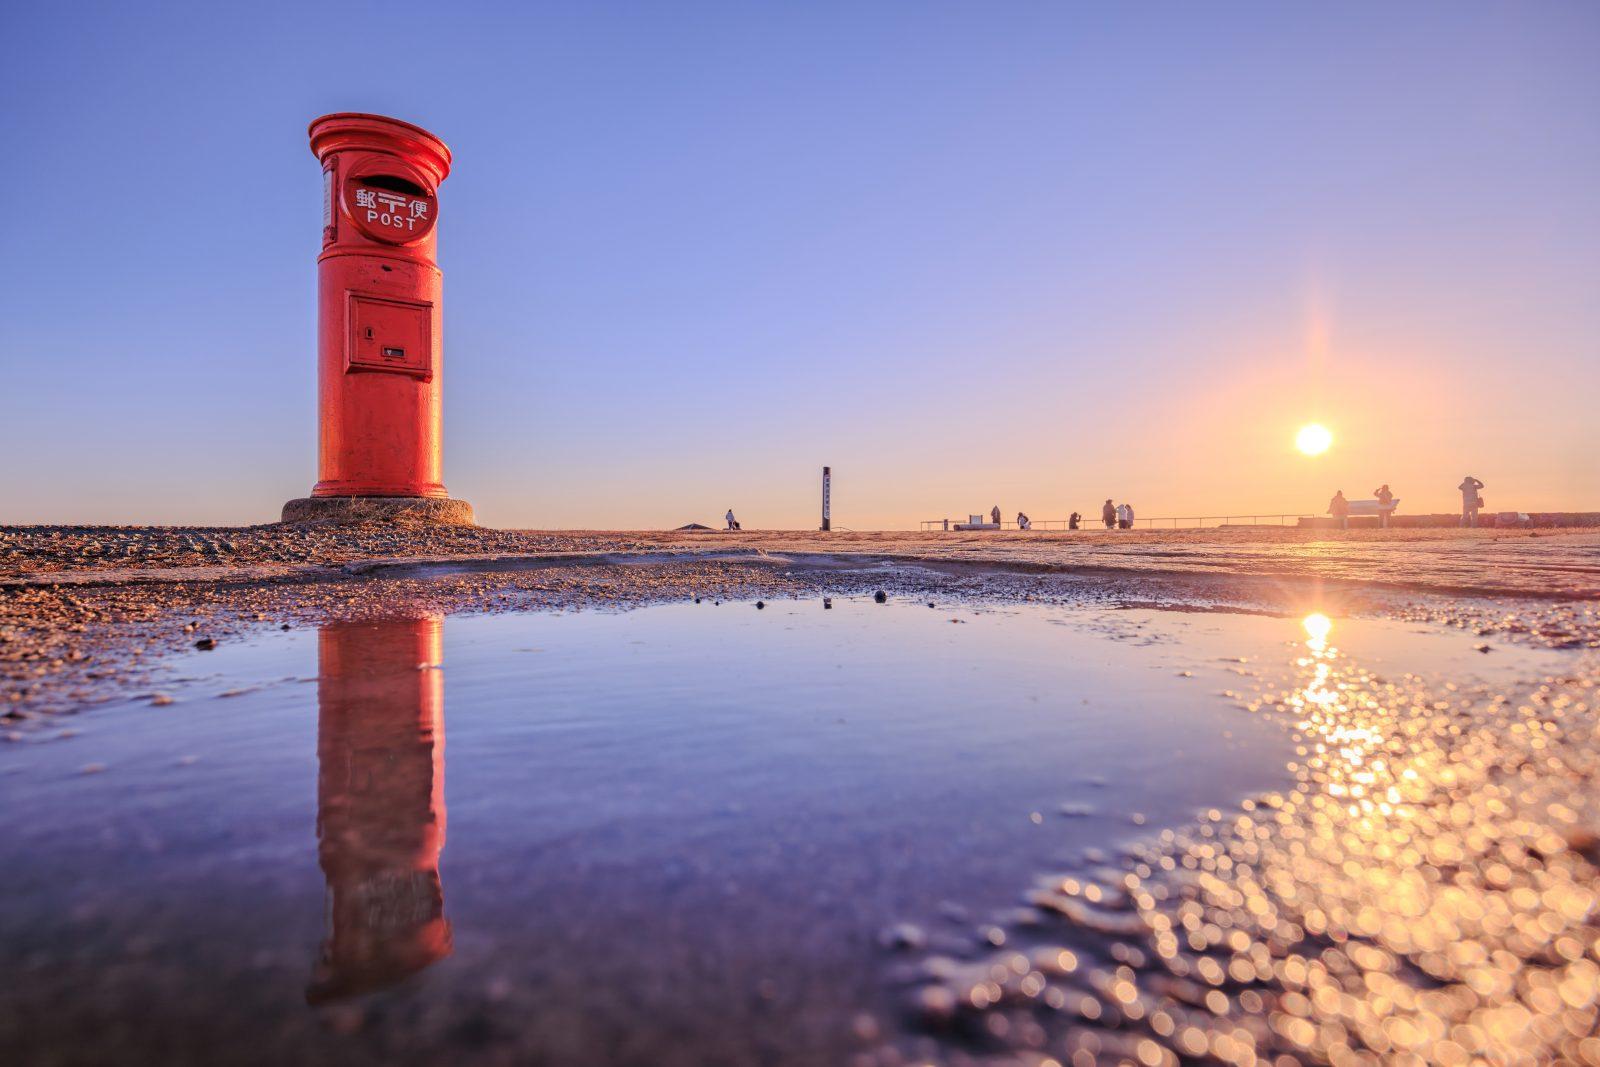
x,y
1165,522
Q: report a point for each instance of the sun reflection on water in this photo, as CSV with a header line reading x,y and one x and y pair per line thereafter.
x,y
1317,627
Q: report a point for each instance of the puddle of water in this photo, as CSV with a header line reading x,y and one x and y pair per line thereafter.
x,y
683,834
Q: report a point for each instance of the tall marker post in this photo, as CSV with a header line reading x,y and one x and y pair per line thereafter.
x,y
827,488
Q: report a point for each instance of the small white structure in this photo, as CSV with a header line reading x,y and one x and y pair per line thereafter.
x,y
1373,507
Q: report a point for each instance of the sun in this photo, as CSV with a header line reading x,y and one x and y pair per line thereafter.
x,y
1313,439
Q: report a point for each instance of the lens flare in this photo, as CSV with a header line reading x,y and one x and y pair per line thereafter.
x,y
1317,626
1313,439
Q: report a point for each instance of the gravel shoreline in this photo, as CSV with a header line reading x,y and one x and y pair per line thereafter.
x,y
1559,563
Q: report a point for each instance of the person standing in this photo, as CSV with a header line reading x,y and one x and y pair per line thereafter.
x,y
1339,508
1470,500
1385,503
733,523
1129,515
1023,522
994,516
1108,515
1122,516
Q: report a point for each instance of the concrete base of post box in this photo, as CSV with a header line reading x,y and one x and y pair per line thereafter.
x,y
349,510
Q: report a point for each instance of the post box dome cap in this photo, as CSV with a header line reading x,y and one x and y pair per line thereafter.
x,y
380,133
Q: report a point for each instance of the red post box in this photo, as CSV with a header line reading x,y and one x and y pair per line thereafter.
x,y
379,350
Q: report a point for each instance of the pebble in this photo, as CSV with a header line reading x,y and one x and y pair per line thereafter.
x,y
903,936
935,1004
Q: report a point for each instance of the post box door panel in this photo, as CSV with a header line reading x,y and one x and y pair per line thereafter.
x,y
390,335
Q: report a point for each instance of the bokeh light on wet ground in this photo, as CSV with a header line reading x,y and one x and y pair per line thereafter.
x,y
1424,894
710,833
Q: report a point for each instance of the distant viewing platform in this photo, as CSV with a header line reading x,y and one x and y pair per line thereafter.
x,y
1439,520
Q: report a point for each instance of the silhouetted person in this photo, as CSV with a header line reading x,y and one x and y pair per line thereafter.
x,y
1470,500
1023,522
1073,520
1339,508
733,523
1124,521
1129,515
1108,515
1385,503
994,516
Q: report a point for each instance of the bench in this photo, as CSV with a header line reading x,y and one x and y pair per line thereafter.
x,y
1372,507
976,522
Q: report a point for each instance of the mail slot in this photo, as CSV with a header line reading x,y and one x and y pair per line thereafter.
x,y
378,308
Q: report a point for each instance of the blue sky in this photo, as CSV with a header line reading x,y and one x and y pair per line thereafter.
x,y
1026,254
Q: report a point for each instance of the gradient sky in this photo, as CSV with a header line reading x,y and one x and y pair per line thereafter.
x,y
968,254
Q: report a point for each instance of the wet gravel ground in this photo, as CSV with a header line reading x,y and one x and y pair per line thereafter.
x,y
1426,893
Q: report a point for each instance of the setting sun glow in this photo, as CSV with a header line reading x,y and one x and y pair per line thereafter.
x,y
1313,439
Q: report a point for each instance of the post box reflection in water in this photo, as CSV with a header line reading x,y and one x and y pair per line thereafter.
x,y
380,804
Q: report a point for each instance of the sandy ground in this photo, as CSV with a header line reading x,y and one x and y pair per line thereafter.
x,y
1427,893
